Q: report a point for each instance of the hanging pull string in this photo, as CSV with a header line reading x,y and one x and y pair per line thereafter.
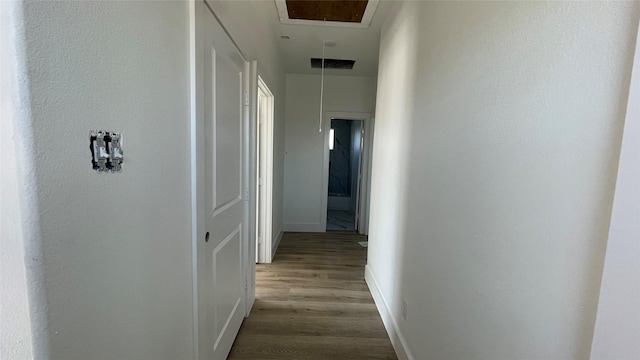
x,y
322,81
321,86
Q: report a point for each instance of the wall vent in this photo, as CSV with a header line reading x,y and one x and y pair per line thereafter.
x,y
316,63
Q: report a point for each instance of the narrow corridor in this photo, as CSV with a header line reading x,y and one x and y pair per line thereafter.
x,y
312,303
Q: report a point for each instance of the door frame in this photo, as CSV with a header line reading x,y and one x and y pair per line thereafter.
x,y
266,255
196,89
363,201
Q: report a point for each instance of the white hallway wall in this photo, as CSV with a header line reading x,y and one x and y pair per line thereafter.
x,y
498,128
116,248
116,257
617,332
304,145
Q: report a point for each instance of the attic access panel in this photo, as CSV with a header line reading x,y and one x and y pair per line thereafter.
x,y
350,11
316,63
344,13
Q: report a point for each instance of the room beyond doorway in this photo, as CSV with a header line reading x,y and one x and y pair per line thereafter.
x,y
345,156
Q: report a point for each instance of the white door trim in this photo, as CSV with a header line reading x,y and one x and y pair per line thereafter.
x,y
363,202
195,89
250,117
267,253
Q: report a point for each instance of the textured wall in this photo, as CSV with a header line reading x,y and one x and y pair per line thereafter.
x,y
497,137
117,247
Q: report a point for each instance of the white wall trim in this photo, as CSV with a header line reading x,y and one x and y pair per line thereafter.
x,y
249,182
265,255
276,243
194,37
390,324
306,227
365,190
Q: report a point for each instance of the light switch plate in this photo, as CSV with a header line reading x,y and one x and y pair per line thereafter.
x,y
106,151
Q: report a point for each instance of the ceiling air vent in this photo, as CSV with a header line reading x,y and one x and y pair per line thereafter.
x,y
316,63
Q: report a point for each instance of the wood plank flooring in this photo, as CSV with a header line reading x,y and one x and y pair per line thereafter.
x,y
312,303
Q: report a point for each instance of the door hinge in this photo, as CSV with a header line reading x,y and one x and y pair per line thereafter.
x,y
246,99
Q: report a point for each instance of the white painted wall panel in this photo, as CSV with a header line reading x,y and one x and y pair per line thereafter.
x,y
496,142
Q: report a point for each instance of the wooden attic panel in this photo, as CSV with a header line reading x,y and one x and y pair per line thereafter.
x,y
329,10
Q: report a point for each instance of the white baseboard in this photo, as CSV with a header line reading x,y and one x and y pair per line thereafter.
x,y
276,243
390,324
305,227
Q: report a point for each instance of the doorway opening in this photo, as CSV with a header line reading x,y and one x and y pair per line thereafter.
x,y
264,173
346,143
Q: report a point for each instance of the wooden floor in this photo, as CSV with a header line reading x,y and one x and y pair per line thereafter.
x,y
312,303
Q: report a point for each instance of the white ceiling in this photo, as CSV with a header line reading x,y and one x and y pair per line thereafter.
x,y
305,42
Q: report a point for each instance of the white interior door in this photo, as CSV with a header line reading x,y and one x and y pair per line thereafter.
x,y
220,267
